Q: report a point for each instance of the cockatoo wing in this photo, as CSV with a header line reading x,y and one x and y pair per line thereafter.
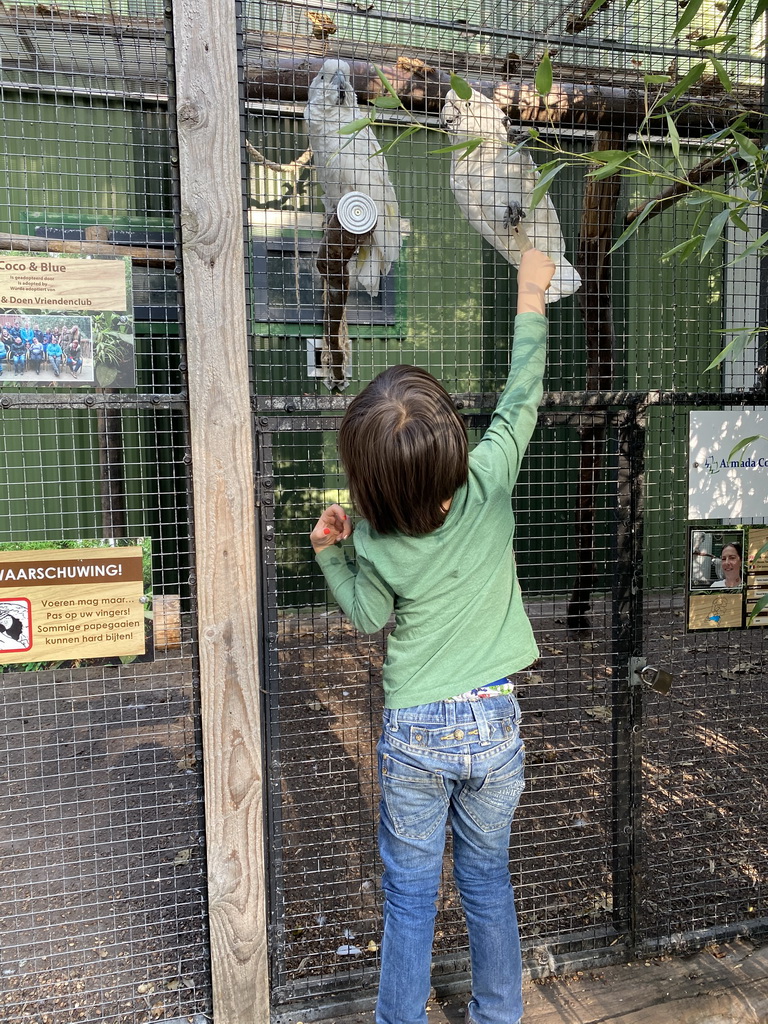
x,y
352,163
493,185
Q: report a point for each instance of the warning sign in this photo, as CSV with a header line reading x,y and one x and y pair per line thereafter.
x,y
71,603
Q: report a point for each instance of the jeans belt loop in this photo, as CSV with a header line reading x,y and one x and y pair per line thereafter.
x,y
478,713
393,720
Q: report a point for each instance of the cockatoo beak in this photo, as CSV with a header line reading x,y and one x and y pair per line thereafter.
x,y
341,85
449,116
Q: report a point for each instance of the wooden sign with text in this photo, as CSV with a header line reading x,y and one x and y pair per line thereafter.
x,y
54,282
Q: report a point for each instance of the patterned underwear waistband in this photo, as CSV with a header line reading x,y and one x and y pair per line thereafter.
x,y
500,688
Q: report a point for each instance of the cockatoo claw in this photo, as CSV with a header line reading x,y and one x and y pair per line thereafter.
x,y
513,214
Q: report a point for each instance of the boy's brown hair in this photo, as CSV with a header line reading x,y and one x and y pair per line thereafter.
x,y
404,448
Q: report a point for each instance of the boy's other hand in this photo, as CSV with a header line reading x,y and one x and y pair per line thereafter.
x,y
332,526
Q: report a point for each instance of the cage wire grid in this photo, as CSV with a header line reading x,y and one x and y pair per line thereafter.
x,y
606,852
102,861
102,892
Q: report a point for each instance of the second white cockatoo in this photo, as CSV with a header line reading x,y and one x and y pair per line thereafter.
x,y
492,185
352,163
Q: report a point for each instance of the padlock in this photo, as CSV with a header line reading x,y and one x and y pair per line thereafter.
x,y
657,678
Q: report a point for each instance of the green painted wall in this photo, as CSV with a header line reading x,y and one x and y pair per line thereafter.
x,y
79,162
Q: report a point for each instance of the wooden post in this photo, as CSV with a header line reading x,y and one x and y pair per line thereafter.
x,y
211,186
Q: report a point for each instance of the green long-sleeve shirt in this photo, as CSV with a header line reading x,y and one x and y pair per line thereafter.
x,y
459,616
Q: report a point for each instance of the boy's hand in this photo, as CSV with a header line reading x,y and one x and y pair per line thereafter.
x,y
534,275
332,526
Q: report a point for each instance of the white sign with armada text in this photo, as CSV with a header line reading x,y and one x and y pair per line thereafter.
x,y
728,464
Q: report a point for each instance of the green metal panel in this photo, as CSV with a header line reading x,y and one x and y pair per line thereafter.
x,y
72,163
66,155
675,315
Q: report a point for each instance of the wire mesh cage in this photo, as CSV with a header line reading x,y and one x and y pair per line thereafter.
x,y
627,140
623,109
103,900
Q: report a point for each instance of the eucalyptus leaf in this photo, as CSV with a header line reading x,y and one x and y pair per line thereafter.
x,y
714,231
628,232
656,79
742,444
674,137
386,83
470,145
739,222
748,149
724,42
544,77
609,168
594,9
732,349
697,200
387,102
608,156
356,126
410,130
722,74
761,604
461,87
542,185
752,247
734,10
684,250
692,8
685,82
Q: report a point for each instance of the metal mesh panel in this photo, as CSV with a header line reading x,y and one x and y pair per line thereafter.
x,y
606,848
102,864
703,747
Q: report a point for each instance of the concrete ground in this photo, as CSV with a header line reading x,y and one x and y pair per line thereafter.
x,y
725,984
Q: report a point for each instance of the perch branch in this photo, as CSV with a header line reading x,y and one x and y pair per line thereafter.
x,y
590,105
702,174
294,167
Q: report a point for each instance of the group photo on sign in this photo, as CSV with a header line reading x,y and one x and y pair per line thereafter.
x,y
66,320
46,347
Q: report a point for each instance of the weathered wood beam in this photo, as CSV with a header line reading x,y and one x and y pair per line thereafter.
x,y
138,254
423,89
211,163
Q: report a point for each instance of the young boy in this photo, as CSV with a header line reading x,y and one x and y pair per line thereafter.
x,y
435,546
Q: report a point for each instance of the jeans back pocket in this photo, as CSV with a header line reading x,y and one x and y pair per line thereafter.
x,y
415,798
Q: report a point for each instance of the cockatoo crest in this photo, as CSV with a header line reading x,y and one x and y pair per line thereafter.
x,y
492,185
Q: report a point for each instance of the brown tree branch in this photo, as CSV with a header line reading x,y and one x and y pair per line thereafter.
x,y
595,300
702,174
294,167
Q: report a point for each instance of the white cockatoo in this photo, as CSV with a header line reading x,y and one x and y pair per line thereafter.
x,y
352,163
492,185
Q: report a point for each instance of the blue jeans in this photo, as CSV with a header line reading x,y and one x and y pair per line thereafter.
x,y
461,760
